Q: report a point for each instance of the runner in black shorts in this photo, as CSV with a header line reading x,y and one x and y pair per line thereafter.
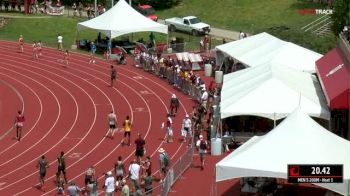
x,y
61,167
140,147
113,75
42,165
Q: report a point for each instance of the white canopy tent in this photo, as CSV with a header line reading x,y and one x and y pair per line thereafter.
x,y
264,48
122,19
297,140
273,92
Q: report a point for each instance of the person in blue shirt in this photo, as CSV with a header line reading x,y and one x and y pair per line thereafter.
x,y
92,52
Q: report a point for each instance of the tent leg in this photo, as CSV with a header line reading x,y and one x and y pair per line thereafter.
x,y
214,193
77,39
167,41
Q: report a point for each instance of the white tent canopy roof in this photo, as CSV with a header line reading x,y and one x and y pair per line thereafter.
x,y
264,48
273,92
122,19
297,140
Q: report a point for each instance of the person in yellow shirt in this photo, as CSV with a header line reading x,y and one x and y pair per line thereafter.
x,y
127,130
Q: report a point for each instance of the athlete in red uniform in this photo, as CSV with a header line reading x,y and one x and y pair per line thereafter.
x,y
21,42
19,120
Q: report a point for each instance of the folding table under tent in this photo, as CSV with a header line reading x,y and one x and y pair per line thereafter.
x,y
122,19
297,140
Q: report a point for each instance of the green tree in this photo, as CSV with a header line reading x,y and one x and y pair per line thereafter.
x,y
340,16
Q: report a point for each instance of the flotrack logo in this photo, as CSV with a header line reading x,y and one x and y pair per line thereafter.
x,y
315,11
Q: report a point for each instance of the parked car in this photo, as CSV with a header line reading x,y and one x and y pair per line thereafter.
x,y
190,24
147,11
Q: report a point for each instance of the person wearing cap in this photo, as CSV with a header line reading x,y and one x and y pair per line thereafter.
x,y
134,175
125,189
73,190
163,163
109,184
186,126
204,98
202,146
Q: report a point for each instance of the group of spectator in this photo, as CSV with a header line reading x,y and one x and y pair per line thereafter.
x,y
12,5
180,75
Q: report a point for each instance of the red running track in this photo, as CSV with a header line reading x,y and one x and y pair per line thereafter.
x,y
66,110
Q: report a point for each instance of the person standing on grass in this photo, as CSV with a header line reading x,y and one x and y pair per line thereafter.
x,y
21,43
112,122
202,146
140,148
127,130
61,168
59,42
113,75
19,120
42,165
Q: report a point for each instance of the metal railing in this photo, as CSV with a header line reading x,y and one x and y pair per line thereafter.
x,y
151,64
173,174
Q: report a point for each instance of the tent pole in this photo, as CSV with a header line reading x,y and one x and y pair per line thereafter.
x,y
215,183
77,38
330,122
167,41
274,120
95,8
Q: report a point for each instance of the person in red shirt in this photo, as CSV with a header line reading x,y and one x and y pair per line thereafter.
x,y
19,120
21,43
140,148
